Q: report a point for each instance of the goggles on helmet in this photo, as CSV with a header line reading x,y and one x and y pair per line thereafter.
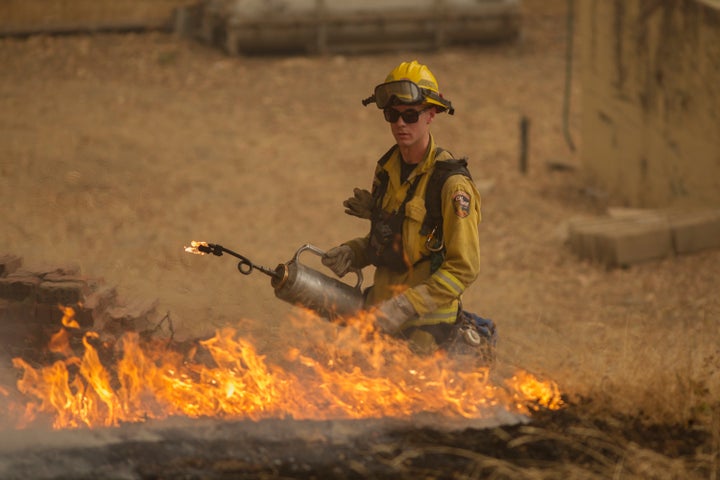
x,y
405,92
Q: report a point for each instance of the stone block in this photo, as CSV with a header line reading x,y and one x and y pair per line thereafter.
x,y
48,315
19,287
583,234
621,241
9,264
695,231
12,313
21,335
61,271
95,309
136,317
628,243
60,276
68,292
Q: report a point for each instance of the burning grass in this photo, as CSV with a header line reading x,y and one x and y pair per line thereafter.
x,y
330,372
326,379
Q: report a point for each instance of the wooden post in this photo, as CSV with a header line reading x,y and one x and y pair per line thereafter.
x,y
524,136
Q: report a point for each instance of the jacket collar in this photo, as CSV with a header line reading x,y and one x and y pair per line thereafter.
x,y
423,167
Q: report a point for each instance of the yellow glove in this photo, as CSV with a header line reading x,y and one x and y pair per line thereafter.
x,y
359,205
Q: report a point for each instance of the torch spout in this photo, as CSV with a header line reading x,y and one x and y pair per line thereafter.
x,y
245,266
211,248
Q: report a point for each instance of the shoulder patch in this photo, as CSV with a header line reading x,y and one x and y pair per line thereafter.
x,y
461,204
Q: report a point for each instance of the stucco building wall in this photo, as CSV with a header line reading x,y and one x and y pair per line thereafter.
x,y
650,72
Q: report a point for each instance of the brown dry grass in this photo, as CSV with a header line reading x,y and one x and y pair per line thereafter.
x,y
115,151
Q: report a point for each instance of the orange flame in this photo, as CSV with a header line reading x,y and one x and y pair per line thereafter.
x,y
60,341
329,372
193,248
546,394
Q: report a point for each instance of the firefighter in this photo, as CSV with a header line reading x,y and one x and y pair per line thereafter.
x,y
424,211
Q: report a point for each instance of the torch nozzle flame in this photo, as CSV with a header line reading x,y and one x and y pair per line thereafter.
x,y
198,248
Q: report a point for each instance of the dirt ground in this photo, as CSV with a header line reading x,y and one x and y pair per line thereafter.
x,y
117,150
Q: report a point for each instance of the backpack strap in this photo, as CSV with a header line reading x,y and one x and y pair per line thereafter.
x,y
432,225
444,169
384,159
382,178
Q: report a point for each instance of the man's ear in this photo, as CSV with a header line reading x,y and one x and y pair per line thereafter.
x,y
431,115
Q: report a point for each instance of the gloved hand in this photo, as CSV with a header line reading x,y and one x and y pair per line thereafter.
x,y
392,313
359,205
339,259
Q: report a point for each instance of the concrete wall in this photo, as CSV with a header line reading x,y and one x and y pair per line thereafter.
x,y
31,16
349,26
651,100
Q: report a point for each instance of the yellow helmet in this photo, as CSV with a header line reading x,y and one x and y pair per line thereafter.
x,y
409,83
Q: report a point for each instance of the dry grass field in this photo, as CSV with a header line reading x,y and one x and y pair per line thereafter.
x,y
117,150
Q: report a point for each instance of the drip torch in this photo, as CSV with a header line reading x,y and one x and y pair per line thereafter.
x,y
299,284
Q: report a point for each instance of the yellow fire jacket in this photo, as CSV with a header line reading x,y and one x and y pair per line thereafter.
x,y
434,295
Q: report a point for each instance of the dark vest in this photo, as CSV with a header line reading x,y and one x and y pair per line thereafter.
x,y
385,248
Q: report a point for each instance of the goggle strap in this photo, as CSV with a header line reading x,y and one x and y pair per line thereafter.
x,y
438,98
369,100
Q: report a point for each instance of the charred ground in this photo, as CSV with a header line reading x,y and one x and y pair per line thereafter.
x,y
567,443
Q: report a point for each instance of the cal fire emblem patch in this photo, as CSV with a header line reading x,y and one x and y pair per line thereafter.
x,y
461,202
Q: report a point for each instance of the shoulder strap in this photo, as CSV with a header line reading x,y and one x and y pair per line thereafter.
x,y
384,159
443,170
380,183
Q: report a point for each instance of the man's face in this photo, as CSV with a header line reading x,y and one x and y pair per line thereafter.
x,y
409,134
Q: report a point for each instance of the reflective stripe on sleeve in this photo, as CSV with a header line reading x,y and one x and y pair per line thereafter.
x,y
450,281
446,314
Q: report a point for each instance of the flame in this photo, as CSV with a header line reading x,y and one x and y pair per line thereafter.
x,y
60,341
193,248
546,394
329,372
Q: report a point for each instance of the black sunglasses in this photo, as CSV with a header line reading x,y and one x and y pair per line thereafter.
x,y
409,116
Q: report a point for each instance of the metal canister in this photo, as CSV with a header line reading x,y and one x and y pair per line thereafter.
x,y
301,285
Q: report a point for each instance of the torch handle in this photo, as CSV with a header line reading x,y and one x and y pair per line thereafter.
x,y
245,266
320,253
